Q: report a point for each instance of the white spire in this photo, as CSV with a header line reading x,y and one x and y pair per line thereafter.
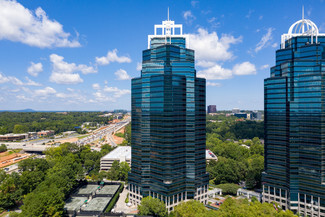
x,y
168,14
303,13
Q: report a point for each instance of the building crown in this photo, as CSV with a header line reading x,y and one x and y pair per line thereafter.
x,y
303,27
168,29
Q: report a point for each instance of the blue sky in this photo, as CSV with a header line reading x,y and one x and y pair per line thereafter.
x,y
81,55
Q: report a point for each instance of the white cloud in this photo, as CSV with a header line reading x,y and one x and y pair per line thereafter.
x,y
215,73
117,92
260,17
139,66
265,66
109,94
112,57
205,64
31,82
245,68
35,68
213,84
70,89
209,47
19,24
121,74
274,45
64,72
11,79
264,40
189,17
45,92
96,86
3,78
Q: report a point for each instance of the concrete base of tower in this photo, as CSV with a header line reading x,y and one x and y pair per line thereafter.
x,y
306,205
201,195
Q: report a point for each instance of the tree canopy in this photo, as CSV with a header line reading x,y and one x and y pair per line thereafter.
x,y
152,206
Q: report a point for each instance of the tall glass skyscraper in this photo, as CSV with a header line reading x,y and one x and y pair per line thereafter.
x,y
168,122
294,107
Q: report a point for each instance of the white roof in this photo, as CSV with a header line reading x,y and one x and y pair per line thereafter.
x,y
209,155
118,153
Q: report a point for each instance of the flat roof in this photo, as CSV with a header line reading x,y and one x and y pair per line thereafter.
x,y
74,203
118,153
209,155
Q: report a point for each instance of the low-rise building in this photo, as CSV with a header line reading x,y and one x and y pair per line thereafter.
x,y
121,154
13,137
209,155
45,133
249,194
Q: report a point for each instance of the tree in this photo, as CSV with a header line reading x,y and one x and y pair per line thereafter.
x,y
152,206
124,170
229,188
244,208
3,148
192,208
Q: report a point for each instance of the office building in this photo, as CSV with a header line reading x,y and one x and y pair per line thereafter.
x,y
294,173
235,110
120,154
212,109
168,122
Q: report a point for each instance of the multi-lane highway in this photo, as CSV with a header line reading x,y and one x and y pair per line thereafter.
x,y
37,146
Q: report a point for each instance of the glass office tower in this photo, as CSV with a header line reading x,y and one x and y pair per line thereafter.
x,y
168,122
294,107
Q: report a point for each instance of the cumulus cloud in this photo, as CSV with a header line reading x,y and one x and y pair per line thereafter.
x,y
45,92
121,74
31,82
189,17
209,47
109,94
213,84
19,24
217,72
35,68
265,40
112,57
245,68
64,72
96,86
205,64
10,79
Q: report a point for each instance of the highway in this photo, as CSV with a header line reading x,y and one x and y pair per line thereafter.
x,y
37,146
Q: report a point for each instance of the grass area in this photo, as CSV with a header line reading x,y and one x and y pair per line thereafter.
x,y
119,135
81,137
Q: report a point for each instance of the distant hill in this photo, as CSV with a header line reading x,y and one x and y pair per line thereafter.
x,y
23,110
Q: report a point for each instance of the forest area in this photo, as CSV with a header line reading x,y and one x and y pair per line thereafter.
x,y
239,149
22,122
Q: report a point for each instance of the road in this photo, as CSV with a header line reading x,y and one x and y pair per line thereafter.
x,y
108,131
37,145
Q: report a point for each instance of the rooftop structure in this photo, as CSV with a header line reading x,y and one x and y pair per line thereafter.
x,y
303,27
121,154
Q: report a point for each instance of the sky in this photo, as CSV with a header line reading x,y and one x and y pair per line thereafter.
x,y
81,55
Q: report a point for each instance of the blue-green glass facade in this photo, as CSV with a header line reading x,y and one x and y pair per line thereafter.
x,y
168,124
295,127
